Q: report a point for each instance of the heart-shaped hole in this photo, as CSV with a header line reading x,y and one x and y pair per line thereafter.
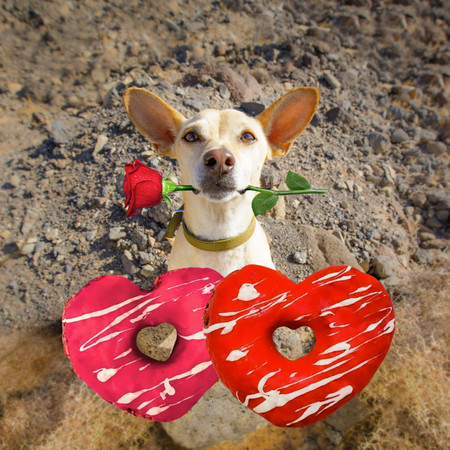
x,y
293,344
157,342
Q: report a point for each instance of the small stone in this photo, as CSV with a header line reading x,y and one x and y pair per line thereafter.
x,y
332,80
310,60
146,258
426,256
391,282
433,222
102,140
60,132
5,234
300,257
288,86
437,148
14,181
220,50
339,116
252,108
31,216
62,163
140,239
425,236
435,244
399,136
91,235
116,233
384,266
224,91
128,264
28,246
443,215
147,271
409,210
419,199
51,234
379,142
194,104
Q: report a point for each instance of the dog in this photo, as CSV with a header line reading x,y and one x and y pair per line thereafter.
x,y
220,153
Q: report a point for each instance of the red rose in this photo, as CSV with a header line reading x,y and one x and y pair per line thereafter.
x,y
142,186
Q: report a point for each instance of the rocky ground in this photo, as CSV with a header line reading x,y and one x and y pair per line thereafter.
x,y
379,141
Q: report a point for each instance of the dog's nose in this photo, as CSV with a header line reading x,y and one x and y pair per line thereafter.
x,y
219,161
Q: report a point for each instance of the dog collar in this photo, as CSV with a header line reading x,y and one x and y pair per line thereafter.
x,y
221,244
209,246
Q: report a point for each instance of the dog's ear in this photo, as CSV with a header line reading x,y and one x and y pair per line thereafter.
x,y
154,118
286,119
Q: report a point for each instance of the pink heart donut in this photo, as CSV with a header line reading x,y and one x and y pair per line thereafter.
x,y
100,325
350,313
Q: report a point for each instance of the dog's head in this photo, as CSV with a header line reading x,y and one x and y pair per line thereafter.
x,y
221,152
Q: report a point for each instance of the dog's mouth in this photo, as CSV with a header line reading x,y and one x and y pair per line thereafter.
x,y
218,190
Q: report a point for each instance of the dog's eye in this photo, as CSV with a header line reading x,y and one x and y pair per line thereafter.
x,y
247,137
191,137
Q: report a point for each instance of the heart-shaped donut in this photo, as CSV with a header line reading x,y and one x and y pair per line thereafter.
x,y
350,313
100,327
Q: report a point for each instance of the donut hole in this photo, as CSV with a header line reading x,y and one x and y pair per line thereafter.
x,y
294,343
157,342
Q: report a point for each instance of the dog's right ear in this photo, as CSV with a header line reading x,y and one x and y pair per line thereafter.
x,y
154,118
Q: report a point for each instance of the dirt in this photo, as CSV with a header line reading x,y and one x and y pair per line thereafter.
x,y
380,67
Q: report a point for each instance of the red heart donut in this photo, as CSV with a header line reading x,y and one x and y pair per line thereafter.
x,y
100,325
350,313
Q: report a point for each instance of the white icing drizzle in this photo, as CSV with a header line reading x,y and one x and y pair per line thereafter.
x,y
293,301
361,289
331,275
333,399
254,370
351,300
327,313
235,355
168,389
189,282
104,374
255,309
302,317
208,288
159,409
144,367
292,375
146,311
333,325
194,337
108,310
247,292
274,399
131,396
124,354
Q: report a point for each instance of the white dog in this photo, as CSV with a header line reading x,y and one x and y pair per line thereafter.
x,y
220,153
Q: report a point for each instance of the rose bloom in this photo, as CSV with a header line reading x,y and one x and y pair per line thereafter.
x,y
142,186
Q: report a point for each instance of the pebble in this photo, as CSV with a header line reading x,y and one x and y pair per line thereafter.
x,y
52,234
28,246
60,132
384,266
224,91
14,181
398,136
147,271
379,142
300,257
419,199
116,233
332,80
140,239
437,148
91,235
146,258
435,244
128,264
443,215
102,140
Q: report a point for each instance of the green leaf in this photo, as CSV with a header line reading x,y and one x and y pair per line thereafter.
x,y
168,186
167,199
263,202
167,176
296,182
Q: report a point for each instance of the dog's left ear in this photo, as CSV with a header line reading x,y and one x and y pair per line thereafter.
x,y
286,119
